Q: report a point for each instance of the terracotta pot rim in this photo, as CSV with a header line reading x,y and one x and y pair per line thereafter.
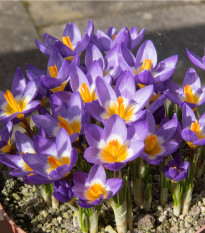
x,y
12,226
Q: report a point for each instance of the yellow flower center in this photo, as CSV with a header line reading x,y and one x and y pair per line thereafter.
x,y
152,146
146,65
55,162
6,148
114,151
67,41
53,71
13,106
95,191
119,107
195,127
70,127
190,97
86,94
60,88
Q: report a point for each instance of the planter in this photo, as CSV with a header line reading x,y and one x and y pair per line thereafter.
x,y
11,225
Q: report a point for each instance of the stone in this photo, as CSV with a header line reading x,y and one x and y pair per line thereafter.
x,y
174,229
109,229
146,222
201,222
187,225
195,211
162,218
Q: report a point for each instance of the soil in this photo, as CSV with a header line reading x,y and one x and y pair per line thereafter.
x,y
29,211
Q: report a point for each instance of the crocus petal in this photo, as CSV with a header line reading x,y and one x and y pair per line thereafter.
x,y
73,32
113,186
59,172
188,116
151,122
91,155
181,176
94,71
10,160
63,73
127,55
19,82
200,142
55,60
143,96
77,77
136,38
173,173
189,135
137,131
40,179
47,122
104,91
97,172
196,60
95,110
37,162
115,126
93,54
104,40
93,134
144,77
31,90
23,143
115,166
192,79
80,177
146,51
79,191
44,146
168,130
63,143
125,86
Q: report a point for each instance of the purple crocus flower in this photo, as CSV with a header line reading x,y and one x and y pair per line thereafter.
x,y
5,136
144,68
69,116
93,188
108,40
191,93
196,60
193,130
71,43
85,84
53,160
116,144
176,169
110,63
63,190
19,100
57,75
24,145
159,143
123,100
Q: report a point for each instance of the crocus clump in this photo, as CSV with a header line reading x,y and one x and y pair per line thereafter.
x,y
100,121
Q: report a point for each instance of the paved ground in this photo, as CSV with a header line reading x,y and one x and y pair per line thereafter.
x,y
173,26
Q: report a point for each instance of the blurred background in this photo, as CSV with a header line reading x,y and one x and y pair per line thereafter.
x,y
172,25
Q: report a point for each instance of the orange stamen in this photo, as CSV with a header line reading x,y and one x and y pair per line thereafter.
x,y
147,64
150,142
67,41
195,127
11,101
113,37
95,191
53,71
